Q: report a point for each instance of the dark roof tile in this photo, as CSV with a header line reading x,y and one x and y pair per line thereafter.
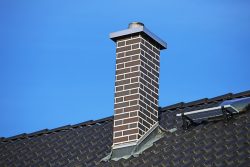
x,y
221,98
82,124
197,102
20,136
242,94
40,132
66,127
173,107
85,144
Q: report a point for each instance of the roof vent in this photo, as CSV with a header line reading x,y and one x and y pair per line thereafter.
x,y
135,25
225,109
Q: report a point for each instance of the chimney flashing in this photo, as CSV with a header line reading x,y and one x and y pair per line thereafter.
x,y
137,148
133,30
139,141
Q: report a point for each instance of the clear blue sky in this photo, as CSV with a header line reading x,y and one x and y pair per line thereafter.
x,y
57,63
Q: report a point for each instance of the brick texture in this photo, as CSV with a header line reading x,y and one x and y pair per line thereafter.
x,y
136,87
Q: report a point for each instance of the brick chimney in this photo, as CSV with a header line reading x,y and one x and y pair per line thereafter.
x,y
136,84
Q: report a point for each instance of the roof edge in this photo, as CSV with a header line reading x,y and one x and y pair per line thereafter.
x,y
58,129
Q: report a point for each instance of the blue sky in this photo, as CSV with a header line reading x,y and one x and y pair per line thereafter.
x,y
57,63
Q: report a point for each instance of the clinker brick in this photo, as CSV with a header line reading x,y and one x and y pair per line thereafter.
x,y
134,79
133,108
132,41
119,66
132,137
118,100
119,128
118,111
119,122
121,49
121,139
130,75
131,131
135,46
119,55
119,77
121,116
123,82
130,86
122,60
123,93
132,63
156,51
135,57
133,91
122,71
118,88
131,97
132,114
136,68
121,43
130,120
133,52
124,104
134,102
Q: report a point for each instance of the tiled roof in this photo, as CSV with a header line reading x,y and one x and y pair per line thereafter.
x,y
216,143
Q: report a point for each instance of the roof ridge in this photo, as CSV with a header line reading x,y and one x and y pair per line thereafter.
x,y
226,96
58,129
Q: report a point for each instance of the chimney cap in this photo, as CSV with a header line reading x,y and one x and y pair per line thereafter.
x,y
135,25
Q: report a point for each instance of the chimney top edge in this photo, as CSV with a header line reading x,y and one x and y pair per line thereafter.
x,y
137,29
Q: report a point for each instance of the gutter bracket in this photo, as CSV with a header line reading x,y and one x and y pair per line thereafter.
x,y
227,115
187,122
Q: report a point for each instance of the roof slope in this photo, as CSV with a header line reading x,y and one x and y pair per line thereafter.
x,y
212,144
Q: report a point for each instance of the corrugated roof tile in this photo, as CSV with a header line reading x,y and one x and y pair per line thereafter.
x,y
215,143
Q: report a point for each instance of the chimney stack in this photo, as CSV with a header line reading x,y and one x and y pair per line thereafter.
x,y
136,85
